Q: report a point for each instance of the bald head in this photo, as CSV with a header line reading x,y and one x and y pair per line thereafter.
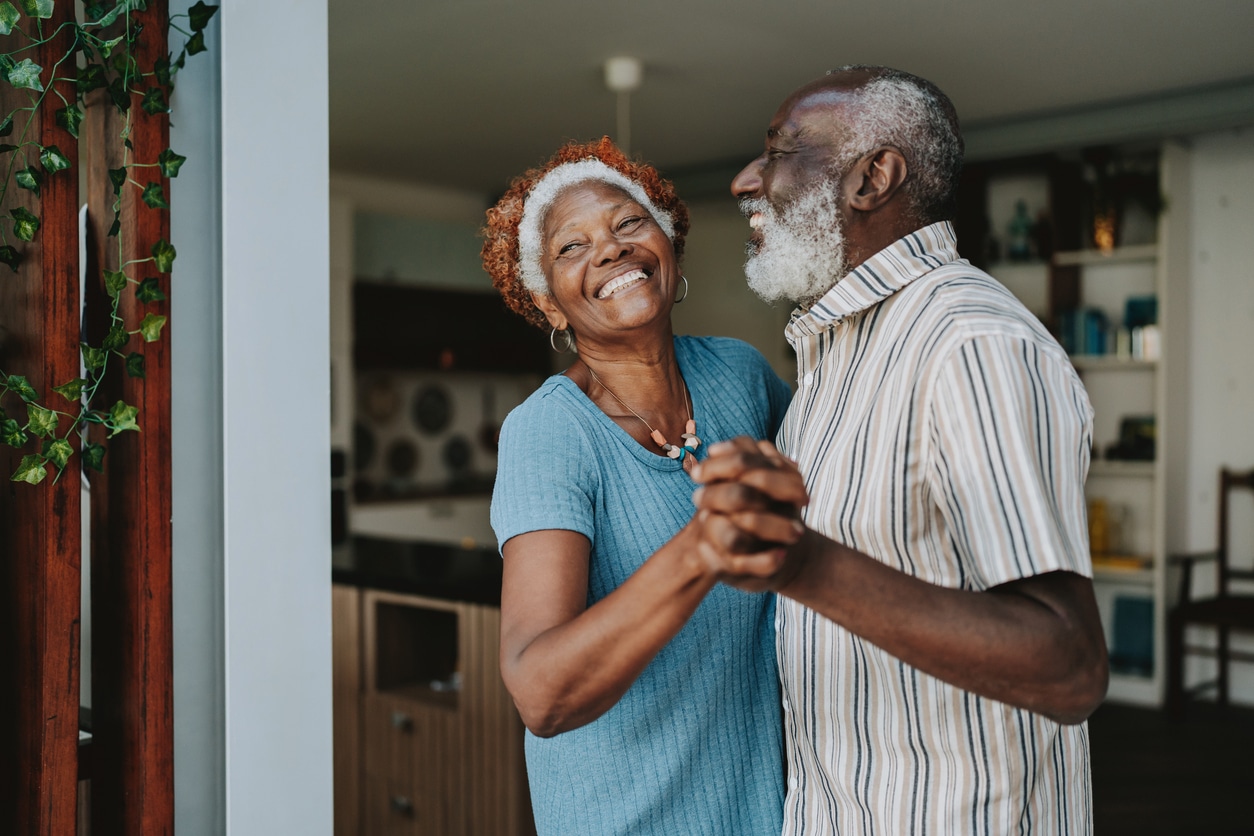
x,y
873,107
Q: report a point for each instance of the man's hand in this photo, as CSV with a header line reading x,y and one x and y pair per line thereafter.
x,y
749,511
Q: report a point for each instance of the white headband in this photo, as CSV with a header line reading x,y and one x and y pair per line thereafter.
x,y
543,194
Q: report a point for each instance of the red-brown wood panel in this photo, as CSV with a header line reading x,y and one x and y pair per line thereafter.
x,y
132,655
40,534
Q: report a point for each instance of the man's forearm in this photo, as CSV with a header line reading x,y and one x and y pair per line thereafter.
x,y
1036,643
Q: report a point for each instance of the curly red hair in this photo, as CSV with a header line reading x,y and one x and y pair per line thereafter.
x,y
500,234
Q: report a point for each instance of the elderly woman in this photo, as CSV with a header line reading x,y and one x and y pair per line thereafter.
x,y
648,689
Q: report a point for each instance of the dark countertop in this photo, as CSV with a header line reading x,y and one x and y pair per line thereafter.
x,y
431,569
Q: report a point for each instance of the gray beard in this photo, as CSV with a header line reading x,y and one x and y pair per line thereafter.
x,y
802,255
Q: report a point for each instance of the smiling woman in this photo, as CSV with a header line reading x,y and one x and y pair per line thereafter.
x,y
614,632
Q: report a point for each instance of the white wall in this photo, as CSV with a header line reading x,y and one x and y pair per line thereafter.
x,y
1219,389
719,302
252,634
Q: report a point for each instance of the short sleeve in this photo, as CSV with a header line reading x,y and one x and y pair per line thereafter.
x,y
1011,427
543,477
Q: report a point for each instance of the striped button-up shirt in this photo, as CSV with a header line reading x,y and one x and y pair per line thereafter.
x,y
943,431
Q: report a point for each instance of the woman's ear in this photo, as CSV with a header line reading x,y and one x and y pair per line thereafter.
x,y
550,310
876,178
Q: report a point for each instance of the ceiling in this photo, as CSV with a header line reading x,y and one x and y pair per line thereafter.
x,y
468,93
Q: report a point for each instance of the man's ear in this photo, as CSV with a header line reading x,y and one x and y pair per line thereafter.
x,y
876,179
545,303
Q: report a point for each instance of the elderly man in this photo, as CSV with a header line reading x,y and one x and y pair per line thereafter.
x,y
939,642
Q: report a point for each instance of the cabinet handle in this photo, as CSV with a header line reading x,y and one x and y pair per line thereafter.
x,y
401,804
402,721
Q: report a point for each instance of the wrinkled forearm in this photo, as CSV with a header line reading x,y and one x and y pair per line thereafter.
x,y
1035,644
572,673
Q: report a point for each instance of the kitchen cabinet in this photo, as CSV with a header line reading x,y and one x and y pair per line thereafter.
x,y
438,742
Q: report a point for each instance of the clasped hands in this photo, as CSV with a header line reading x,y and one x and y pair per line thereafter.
x,y
748,521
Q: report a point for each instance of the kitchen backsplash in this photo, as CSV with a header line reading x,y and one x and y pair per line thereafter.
x,y
422,433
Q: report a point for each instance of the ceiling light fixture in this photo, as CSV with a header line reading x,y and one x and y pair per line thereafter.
x,y
623,74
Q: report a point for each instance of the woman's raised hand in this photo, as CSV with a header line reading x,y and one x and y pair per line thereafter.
x,y
749,513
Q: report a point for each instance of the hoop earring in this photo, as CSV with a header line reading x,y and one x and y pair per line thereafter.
x,y
567,345
685,296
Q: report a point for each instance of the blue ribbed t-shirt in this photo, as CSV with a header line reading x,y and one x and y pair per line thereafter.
x,y
693,747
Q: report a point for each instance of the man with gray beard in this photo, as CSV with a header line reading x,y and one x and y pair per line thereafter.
x,y
938,638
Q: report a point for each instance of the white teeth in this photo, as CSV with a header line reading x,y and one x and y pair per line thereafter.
x,y
621,281
756,220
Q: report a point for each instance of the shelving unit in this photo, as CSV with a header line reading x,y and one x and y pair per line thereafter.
x,y
1063,275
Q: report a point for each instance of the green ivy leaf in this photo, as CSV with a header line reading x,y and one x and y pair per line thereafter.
x,y
149,290
93,457
196,43
154,102
6,127
37,8
20,386
30,470
24,75
42,422
161,68
71,390
170,162
150,326
117,176
163,252
116,338
200,15
70,118
106,47
6,147
115,282
53,160
25,225
95,12
93,358
29,178
120,95
57,451
122,418
9,16
90,77
11,257
135,364
115,226
11,433
137,5
155,197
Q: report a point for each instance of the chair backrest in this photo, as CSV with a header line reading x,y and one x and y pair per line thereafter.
x,y
1229,481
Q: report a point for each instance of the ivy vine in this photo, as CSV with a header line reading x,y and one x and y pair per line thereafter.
x,y
100,58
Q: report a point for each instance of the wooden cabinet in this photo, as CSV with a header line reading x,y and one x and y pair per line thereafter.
x,y
439,743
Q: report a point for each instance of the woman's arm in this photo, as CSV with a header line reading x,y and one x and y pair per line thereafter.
x,y
565,663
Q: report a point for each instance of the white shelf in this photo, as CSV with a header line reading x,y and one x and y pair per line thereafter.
x,y
1110,362
1117,469
1119,255
1132,689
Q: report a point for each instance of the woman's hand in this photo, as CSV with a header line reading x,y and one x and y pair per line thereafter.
x,y
749,513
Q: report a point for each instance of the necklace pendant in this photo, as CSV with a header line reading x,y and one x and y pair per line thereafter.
x,y
658,439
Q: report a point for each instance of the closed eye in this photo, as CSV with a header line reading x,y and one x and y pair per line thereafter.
x,y
628,223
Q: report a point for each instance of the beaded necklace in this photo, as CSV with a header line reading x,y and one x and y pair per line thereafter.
x,y
691,442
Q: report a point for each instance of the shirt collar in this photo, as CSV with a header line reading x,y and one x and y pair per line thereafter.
x,y
879,277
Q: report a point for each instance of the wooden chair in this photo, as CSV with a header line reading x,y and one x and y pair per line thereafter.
x,y
1225,611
